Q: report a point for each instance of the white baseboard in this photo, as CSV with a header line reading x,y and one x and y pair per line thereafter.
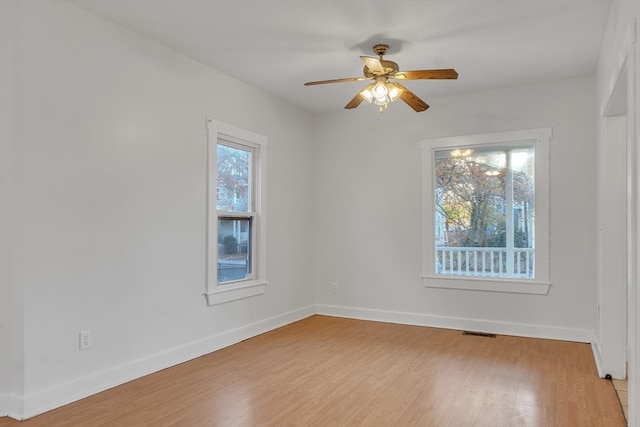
x,y
10,406
4,405
595,349
33,404
468,324
617,371
42,401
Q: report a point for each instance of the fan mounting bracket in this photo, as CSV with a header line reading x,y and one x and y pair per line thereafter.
x,y
380,49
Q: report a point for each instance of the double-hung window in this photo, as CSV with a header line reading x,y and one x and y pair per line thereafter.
x,y
235,220
486,212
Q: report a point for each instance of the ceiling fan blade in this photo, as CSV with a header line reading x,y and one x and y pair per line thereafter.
x,y
348,79
411,99
447,73
355,101
373,64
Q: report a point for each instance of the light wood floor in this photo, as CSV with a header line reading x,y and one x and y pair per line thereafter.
x,y
620,386
325,371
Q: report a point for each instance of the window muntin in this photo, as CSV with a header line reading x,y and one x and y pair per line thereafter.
x,y
438,149
484,211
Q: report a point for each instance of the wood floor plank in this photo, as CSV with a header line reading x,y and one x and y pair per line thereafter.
x,y
326,371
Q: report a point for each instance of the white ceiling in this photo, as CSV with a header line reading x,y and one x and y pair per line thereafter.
x,y
277,45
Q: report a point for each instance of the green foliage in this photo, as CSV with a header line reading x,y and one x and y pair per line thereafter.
x,y
230,244
457,214
500,240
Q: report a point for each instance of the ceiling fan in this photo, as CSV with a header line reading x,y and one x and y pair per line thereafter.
x,y
383,91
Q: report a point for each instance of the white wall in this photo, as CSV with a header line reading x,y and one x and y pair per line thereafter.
x,y
104,167
11,307
618,61
368,198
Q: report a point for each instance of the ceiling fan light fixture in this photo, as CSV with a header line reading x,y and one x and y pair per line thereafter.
x,y
367,93
383,93
394,92
380,91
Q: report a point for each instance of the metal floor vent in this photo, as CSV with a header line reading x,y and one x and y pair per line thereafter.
x,y
479,334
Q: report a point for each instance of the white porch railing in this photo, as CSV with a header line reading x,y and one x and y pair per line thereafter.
x,y
486,262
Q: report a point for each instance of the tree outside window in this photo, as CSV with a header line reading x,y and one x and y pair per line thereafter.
x,y
485,209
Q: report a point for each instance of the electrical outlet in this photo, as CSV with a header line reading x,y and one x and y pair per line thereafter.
x,y
334,287
85,340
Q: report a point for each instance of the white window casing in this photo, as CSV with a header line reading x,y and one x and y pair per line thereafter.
x,y
540,284
254,283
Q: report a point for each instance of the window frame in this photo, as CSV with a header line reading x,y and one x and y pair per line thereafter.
x,y
232,136
540,138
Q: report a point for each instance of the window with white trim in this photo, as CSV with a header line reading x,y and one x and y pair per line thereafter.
x,y
236,240
486,212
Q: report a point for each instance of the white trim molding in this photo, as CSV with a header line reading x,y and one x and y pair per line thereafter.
x,y
220,293
459,323
11,406
540,284
489,285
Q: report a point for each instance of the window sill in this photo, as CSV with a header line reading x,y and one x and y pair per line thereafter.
x,y
487,284
227,293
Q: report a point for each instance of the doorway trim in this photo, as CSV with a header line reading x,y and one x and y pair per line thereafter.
x,y
622,100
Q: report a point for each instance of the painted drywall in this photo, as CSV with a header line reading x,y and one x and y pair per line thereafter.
x,y
368,198
623,18
11,295
108,195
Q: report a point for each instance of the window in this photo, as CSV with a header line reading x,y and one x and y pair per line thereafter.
x,y
486,212
235,208
236,221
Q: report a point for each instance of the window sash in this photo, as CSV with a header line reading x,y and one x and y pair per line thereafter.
x,y
248,214
224,140
250,266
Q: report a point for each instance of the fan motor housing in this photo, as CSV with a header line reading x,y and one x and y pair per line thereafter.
x,y
390,67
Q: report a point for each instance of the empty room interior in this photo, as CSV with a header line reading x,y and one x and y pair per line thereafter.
x,y
275,212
